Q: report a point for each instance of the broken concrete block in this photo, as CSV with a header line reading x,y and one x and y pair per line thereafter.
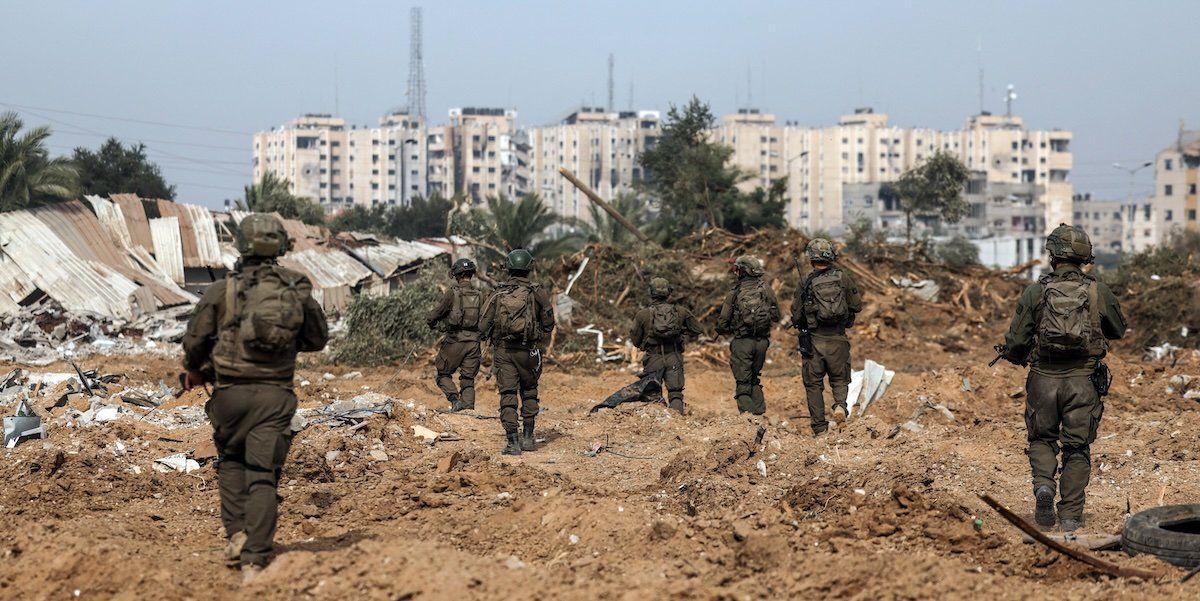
x,y
178,462
377,455
420,431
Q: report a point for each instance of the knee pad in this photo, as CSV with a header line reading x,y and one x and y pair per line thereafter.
x,y
1070,451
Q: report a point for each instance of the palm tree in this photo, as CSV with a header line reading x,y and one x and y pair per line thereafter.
x,y
273,194
508,224
606,230
28,176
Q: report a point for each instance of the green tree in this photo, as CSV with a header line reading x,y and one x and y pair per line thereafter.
x,y
28,176
759,209
115,168
933,189
688,174
272,194
508,224
422,218
957,252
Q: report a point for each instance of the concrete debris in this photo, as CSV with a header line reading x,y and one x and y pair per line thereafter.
x,y
513,563
178,462
25,425
762,468
867,386
377,455
1187,386
351,412
924,289
354,375
1164,351
420,431
41,334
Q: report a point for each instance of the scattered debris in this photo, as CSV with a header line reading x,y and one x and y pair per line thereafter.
x,y
420,431
635,391
178,462
1164,351
1187,386
446,464
924,289
23,426
378,455
867,386
349,413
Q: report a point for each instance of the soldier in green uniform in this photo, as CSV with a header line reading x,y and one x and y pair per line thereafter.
x,y
823,308
1061,329
244,335
458,315
516,319
747,314
658,330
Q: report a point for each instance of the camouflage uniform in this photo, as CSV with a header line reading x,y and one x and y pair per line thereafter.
x,y
747,350
1063,408
517,364
830,353
251,416
459,351
663,358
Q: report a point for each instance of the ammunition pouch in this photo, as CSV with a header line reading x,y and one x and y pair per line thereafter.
x,y
806,344
1101,378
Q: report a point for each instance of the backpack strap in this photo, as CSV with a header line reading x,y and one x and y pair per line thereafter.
x,y
229,318
1094,306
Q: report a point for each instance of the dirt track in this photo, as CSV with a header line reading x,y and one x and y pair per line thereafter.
x,y
679,510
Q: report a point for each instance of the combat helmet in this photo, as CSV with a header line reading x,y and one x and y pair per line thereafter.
x,y
261,235
1070,243
519,260
660,288
820,249
462,266
749,265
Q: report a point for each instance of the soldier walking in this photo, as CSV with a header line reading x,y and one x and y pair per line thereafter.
x,y
244,335
1061,328
823,308
516,319
658,330
458,316
748,313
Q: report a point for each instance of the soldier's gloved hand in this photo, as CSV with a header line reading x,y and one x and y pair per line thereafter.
x,y
193,379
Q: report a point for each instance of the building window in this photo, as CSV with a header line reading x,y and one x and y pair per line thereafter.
x,y
1191,214
1167,164
1191,188
1167,215
1167,190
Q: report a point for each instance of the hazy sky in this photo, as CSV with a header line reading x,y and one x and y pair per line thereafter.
x,y
1121,75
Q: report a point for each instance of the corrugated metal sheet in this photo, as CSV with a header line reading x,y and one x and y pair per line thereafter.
x,y
197,232
327,269
390,259
304,236
112,218
135,219
78,284
14,283
168,249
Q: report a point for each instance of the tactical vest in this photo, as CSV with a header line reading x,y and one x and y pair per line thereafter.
x,y
465,308
825,299
259,324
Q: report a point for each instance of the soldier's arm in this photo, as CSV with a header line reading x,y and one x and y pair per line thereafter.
x,y
487,317
691,325
853,294
1019,338
638,335
725,318
201,334
442,309
776,314
1112,320
314,333
545,310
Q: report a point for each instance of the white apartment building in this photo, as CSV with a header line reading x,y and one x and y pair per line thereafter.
x,y
1103,220
480,153
1020,177
1176,170
599,147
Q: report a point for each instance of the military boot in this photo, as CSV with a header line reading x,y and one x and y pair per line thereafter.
x,y
528,441
458,404
514,444
1071,524
1043,512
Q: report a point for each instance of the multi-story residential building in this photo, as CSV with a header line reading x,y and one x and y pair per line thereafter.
x,y
1019,188
600,147
1103,220
339,166
479,153
1176,171
1141,228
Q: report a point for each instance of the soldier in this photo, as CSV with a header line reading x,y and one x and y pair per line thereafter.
x,y
748,313
824,307
458,315
1061,328
245,334
516,319
658,330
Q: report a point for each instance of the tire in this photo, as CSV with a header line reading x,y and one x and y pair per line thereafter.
x,y
1145,533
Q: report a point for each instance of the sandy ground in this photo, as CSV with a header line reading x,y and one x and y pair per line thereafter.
x,y
672,507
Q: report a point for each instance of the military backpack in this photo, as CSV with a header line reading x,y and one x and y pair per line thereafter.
x,y
1069,322
666,324
261,321
515,320
827,298
466,308
753,306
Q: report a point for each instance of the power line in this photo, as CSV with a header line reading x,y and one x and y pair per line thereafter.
x,y
128,120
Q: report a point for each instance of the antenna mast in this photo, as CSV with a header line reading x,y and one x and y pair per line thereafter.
x,y
416,67
611,107
1009,97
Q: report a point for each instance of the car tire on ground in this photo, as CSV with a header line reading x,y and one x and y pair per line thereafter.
x,y
1170,532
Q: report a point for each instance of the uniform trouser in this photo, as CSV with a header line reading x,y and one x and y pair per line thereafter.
x,y
1062,412
252,432
746,359
463,357
668,366
830,357
517,371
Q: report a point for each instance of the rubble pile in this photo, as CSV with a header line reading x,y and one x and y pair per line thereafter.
x,y
44,333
